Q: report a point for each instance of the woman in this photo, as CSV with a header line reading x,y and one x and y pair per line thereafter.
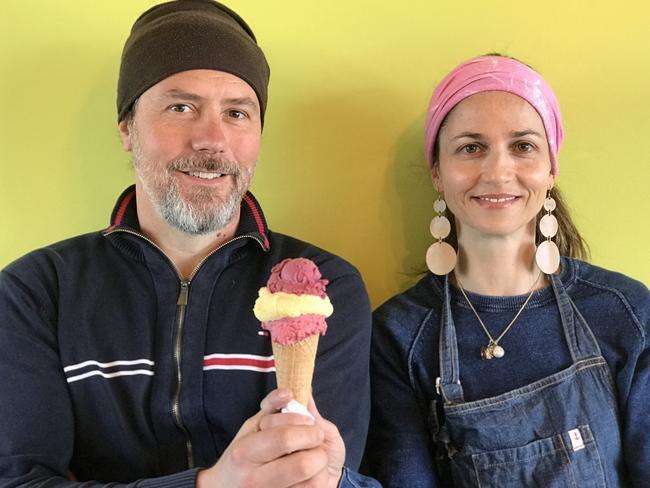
x,y
508,366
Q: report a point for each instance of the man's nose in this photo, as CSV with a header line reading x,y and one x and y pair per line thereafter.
x,y
209,134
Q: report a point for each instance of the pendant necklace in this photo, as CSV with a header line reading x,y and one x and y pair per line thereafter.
x,y
493,349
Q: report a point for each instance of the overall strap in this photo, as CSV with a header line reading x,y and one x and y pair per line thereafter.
x,y
449,380
580,340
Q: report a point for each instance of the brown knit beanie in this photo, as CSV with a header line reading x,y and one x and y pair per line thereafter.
x,y
189,34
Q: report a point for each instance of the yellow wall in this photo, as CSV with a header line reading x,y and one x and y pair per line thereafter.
x,y
342,162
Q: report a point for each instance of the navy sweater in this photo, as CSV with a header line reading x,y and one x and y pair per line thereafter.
x,y
405,362
114,369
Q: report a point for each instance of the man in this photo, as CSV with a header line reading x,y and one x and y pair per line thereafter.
x,y
132,356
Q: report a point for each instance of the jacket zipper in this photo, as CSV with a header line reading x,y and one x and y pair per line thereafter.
x,y
176,405
181,303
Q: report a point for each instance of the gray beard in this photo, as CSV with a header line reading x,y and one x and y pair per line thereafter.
x,y
185,218
201,215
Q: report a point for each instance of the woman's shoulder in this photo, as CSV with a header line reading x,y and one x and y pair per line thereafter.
x,y
418,299
608,289
607,281
406,322
407,311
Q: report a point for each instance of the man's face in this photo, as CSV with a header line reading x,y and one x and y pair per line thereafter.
x,y
195,139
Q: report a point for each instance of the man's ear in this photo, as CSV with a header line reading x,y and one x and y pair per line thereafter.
x,y
125,135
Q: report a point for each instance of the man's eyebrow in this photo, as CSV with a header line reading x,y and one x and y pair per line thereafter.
x,y
240,101
183,95
180,94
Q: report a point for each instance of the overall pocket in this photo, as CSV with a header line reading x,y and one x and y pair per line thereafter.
x,y
569,459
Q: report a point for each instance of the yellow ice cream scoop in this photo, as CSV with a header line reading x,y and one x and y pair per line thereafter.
x,y
274,306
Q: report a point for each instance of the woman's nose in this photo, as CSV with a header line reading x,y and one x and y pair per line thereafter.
x,y
499,166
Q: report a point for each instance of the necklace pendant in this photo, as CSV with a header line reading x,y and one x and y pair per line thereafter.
x,y
497,351
487,352
492,350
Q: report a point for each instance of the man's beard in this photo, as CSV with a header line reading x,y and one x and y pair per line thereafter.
x,y
200,210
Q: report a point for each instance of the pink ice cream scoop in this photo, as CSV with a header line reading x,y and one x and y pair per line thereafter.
x,y
299,276
293,307
293,329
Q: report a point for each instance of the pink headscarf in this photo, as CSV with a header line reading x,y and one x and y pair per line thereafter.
x,y
495,73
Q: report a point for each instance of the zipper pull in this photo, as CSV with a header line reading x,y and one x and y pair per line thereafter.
x,y
438,384
184,292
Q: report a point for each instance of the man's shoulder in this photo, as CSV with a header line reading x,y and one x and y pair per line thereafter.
x,y
56,255
37,277
345,289
329,264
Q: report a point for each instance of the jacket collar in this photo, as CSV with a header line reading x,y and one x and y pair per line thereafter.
x,y
251,219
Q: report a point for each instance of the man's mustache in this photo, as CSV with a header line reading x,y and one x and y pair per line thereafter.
x,y
206,163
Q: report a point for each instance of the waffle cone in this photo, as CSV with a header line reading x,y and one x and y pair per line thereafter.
x,y
294,366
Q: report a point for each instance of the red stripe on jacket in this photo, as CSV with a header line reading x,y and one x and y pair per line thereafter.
x,y
258,363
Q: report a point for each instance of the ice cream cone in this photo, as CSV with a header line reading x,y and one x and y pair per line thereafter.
x,y
293,307
294,366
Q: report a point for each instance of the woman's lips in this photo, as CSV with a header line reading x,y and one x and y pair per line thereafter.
x,y
501,200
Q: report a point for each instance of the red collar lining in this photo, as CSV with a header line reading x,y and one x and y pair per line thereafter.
x,y
258,219
122,210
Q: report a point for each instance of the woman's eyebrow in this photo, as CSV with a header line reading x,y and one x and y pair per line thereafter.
x,y
527,132
471,135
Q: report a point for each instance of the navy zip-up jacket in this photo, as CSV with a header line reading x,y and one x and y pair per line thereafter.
x,y
113,369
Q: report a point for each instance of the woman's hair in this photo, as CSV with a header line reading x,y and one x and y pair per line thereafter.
x,y
568,239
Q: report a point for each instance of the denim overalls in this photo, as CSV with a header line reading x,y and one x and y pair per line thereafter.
x,y
560,431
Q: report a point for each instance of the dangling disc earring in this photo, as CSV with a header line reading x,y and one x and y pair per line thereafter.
x,y
547,255
441,257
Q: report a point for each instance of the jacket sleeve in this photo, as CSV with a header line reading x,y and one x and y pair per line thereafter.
x,y
400,450
636,408
352,479
341,385
36,414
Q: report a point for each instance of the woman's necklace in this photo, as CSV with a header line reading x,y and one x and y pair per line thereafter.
x,y
493,349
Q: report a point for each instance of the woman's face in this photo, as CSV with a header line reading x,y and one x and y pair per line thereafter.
x,y
494,165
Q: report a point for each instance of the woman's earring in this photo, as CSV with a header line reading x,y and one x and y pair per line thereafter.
x,y
441,257
547,256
